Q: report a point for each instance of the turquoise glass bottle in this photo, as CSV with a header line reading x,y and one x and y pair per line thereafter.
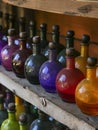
x,y
69,39
3,112
11,123
68,78
34,62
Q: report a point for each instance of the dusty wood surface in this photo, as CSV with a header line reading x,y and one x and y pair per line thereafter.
x,y
66,113
68,7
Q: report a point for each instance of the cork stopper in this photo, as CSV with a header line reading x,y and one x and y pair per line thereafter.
x,y
36,39
52,45
55,28
23,35
70,52
11,107
91,62
85,40
23,119
32,23
70,34
11,32
43,26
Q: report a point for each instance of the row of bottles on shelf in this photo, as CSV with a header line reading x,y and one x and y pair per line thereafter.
x,y
20,115
55,67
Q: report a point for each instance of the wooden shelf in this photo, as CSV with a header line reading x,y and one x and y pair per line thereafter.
x,y
68,7
51,104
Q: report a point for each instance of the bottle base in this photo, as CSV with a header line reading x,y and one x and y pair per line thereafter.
x,y
88,109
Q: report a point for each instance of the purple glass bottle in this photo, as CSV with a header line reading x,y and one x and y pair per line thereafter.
x,y
20,56
49,70
8,50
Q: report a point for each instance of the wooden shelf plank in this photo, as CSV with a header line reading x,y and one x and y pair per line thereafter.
x,y
51,104
68,7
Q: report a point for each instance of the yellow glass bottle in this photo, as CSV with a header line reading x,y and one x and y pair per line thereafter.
x,y
81,61
86,93
19,106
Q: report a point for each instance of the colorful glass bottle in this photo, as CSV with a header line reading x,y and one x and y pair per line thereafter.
x,y
43,37
34,62
23,122
8,50
68,78
69,43
81,61
9,97
86,93
11,123
20,56
49,70
3,112
42,123
19,106
55,39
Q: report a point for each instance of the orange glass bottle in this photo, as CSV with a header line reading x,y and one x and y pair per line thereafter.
x,y
86,93
19,106
81,61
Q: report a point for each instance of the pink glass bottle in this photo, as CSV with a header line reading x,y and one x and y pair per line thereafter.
x,y
8,50
68,78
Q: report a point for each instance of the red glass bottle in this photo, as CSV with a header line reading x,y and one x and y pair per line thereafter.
x,y
20,56
8,50
68,78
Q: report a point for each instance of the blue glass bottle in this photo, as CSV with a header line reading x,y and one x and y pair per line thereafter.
x,y
49,70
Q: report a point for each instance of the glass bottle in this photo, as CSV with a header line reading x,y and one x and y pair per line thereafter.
x,y
49,70
42,123
81,61
19,106
23,122
43,37
8,50
86,93
55,39
69,43
34,111
68,78
20,56
11,123
3,112
1,25
9,97
34,62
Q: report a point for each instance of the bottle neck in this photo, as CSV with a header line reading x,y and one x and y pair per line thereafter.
x,y
11,116
18,100
22,28
69,42
84,51
32,32
43,35
23,127
55,37
70,62
36,49
1,106
91,73
52,55
11,40
23,44
0,21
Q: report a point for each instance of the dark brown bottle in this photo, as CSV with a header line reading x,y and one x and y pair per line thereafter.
x,y
20,56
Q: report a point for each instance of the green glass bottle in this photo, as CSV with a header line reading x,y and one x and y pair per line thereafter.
x,y
23,122
3,112
10,123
